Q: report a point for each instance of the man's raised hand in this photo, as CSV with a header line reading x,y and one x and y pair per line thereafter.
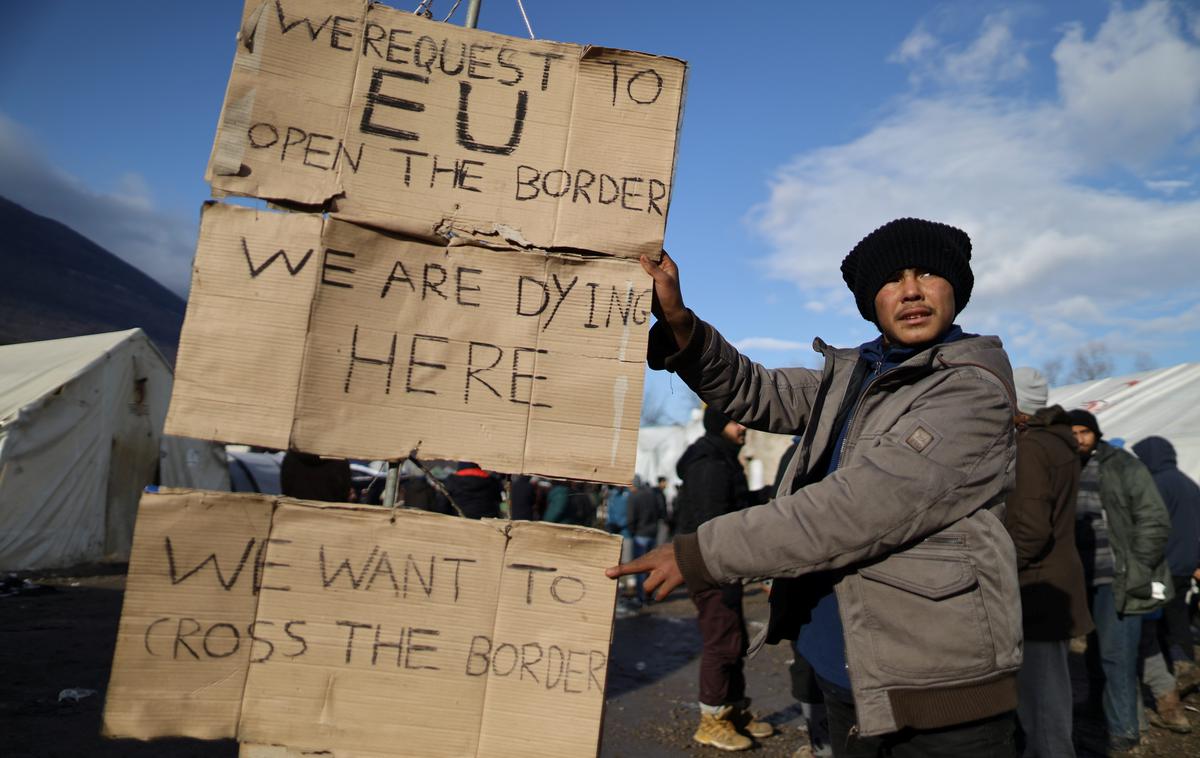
x,y
667,304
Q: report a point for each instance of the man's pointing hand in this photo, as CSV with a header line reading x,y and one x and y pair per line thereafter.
x,y
661,566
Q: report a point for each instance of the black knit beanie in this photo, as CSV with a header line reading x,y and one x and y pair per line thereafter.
x,y
908,243
1080,417
714,421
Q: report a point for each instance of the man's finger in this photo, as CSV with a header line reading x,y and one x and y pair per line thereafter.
x,y
667,263
666,589
612,572
655,271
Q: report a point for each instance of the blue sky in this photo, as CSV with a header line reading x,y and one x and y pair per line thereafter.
x,y
1064,137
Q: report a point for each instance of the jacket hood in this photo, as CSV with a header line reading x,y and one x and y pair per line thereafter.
x,y
1104,451
1157,453
708,446
1055,421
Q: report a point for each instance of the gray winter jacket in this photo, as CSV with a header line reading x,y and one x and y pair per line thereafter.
x,y
909,527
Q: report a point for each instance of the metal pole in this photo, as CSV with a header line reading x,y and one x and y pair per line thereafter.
x,y
473,14
389,484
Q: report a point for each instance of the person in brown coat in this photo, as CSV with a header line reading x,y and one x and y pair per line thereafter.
x,y
1041,520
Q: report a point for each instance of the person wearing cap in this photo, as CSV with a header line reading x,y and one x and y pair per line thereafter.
x,y
1121,531
714,483
886,536
1041,520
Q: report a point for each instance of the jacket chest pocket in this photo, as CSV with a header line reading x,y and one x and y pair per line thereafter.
x,y
925,617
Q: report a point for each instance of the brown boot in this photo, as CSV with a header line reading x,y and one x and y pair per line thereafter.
x,y
1187,677
746,722
1169,714
717,730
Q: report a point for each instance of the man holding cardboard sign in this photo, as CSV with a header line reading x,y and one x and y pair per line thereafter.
x,y
895,565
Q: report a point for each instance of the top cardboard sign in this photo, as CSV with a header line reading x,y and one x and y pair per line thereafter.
x,y
439,131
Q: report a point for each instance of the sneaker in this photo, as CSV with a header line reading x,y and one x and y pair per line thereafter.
x,y
1169,714
746,722
717,730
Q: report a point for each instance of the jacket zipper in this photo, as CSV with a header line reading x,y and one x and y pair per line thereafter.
x,y
946,539
861,397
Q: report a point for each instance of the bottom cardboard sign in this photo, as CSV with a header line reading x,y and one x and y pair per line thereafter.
x,y
358,631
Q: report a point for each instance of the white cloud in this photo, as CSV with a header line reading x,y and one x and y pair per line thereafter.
x,y
1134,89
770,343
1167,186
995,55
915,46
1060,254
124,222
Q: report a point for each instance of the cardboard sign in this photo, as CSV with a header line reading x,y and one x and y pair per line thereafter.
x,y
328,337
354,630
439,131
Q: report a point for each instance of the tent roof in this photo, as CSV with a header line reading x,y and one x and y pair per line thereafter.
x,y
29,370
1163,402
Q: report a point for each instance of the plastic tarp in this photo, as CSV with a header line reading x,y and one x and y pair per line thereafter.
x,y
1163,402
80,421
192,464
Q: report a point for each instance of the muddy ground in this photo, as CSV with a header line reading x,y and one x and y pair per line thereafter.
x,y
62,638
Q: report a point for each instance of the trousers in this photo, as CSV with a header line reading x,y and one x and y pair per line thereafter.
x,y
723,644
987,738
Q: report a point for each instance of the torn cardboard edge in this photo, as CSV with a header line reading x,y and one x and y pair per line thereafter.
x,y
124,719
221,221
354,203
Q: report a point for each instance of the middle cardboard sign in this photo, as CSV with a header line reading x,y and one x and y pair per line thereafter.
x,y
434,130
317,334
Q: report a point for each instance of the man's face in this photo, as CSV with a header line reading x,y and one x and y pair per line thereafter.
x,y
1085,438
914,306
735,433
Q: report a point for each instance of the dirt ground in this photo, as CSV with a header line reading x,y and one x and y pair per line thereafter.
x,y
61,637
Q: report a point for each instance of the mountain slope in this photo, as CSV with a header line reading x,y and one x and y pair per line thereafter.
x,y
54,282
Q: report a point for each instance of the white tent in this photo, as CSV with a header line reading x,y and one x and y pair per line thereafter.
x,y
1163,402
80,422
660,447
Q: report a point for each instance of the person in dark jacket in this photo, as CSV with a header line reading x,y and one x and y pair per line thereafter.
x,y
475,491
1182,498
1121,532
714,483
310,477
522,494
1041,519
644,514
558,499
